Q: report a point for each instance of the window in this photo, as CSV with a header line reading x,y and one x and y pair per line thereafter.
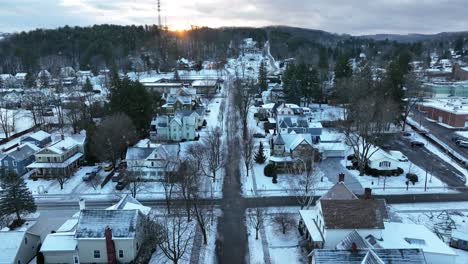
x,y
48,159
14,163
25,240
5,163
121,253
385,164
76,260
19,261
97,254
137,245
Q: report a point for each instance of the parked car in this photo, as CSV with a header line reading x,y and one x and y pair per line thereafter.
x,y
407,135
121,185
258,135
462,143
118,176
456,138
416,143
89,176
108,167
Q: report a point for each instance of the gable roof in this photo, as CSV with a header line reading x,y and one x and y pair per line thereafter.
x,y
353,214
62,146
353,237
129,203
93,223
291,141
39,135
23,152
135,153
369,256
339,191
11,243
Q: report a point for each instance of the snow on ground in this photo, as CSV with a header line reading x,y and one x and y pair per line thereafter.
x,y
325,112
397,184
18,120
279,247
440,218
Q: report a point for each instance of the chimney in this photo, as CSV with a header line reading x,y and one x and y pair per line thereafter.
x,y
148,144
341,177
110,247
82,204
367,193
354,248
62,136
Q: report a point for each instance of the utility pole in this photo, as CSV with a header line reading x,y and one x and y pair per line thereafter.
x,y
425,182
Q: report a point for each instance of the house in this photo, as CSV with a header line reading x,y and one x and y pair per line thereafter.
x,y
286,124
368,256
17,159
332,145
18,246
152,163
382,160
39,138
21,76
338,213
90,235
174,103
7,81
61,157
207,86
404,235
173,128
162,87
460,73
198,114
288,149
459,239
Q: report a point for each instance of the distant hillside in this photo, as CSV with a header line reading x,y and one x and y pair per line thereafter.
x,y
409,38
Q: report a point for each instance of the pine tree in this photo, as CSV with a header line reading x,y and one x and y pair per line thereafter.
x,y
87,87
260,155
15,196
262,77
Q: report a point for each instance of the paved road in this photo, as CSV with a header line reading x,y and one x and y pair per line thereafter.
x,y
428,161
440,132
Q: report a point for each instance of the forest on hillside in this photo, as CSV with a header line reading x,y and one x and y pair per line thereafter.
x,y
142,48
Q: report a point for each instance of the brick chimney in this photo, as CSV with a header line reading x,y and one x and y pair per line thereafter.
x,y
82,204
341,177
110,247
367,193
354,248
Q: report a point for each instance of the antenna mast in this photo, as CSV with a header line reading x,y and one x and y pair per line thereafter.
x,y
159,14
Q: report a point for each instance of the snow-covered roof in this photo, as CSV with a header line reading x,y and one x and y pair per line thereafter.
x,y
60,241
23,152
135,153
63,145
21,75
291,141
207,82
39,135
130,203
353,214
93,223
68,226
10,244
308,217
460,234
455,105
368,256
404,235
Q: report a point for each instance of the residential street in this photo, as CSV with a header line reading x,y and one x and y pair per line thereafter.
x,y
428,161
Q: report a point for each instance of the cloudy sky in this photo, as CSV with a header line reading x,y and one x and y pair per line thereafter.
x,y
341,16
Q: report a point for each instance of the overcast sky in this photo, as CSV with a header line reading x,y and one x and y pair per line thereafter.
x,y
355,17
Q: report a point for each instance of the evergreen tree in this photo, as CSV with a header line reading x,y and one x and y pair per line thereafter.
x,y
323,59
15,196
260,155
262,77
131,98
1,83
343,68
87,87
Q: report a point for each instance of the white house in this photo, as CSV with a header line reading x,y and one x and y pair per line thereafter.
x,y
90,234
382,160
152,163
18,247
173,128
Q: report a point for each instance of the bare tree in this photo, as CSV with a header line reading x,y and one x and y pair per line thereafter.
x,y
152,232
176,236
94,182
112,137
244,95
248,151
255,217
213,157
305,169
414,93
285,221
8,120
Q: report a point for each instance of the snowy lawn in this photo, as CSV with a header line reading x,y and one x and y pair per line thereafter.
x,y
281,248
397,184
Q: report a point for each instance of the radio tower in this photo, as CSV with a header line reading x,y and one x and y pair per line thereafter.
x,y
159,14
